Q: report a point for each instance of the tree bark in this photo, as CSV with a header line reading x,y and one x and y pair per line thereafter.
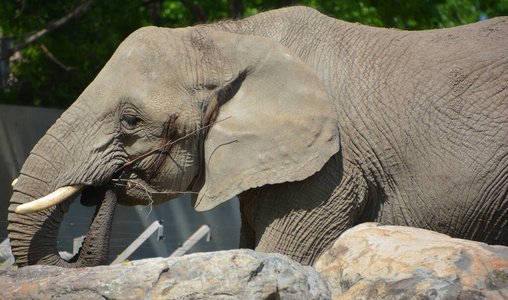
x,y
5,45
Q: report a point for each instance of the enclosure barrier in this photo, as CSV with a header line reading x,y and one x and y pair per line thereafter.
x,y
192,240
156,226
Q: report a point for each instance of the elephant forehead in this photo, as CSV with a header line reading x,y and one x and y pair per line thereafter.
x,y
153,48
124,79
141,67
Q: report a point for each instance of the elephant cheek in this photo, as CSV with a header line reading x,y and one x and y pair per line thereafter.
x,y
176,178
150,183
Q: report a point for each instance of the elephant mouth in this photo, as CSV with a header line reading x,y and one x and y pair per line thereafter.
x,y
135,191
131,190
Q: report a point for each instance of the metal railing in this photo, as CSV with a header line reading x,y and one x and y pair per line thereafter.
x,y
192,240
203,231
156,226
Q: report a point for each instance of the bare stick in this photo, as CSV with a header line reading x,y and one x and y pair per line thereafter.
x,y
54,59
127,183
169,143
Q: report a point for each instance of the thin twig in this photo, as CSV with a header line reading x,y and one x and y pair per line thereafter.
x,y
169,143
54,59
174,192
148,193
128,182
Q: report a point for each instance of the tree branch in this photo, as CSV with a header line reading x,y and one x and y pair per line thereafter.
x,y
54,59
49,28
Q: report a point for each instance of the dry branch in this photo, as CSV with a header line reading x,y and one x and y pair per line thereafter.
x,y
49,28
54,59
169,143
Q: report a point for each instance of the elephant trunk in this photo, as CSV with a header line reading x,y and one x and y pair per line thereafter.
x,y
52,164
33,237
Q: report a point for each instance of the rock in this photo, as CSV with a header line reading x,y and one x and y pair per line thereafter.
x,y
234,274
368,261
5,251
371,261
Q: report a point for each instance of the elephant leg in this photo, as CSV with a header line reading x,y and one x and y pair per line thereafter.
x,y
302,219
247,233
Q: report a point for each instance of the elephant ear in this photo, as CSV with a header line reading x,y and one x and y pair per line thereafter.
x,y
275,122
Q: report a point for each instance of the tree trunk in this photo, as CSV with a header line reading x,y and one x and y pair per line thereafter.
x,y
5,46
235,9
154,9
284,3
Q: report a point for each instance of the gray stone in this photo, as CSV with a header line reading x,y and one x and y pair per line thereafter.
x,y
368,261
371,261
235,274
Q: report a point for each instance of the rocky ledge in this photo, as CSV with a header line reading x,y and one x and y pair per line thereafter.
x,y
235,274
369,261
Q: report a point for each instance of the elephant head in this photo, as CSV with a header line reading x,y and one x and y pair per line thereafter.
x,y
175,111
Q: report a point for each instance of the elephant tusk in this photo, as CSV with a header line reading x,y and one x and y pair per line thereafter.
x,y
58,196
14,182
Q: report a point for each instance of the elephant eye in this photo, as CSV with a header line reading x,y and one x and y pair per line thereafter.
x,y
130,121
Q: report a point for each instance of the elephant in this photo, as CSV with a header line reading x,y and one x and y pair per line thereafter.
x,y
314,123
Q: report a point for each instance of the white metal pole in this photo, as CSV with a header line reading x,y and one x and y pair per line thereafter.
x,y
140,240
192,240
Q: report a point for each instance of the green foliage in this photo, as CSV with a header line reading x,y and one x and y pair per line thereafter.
x,y
84,45
412,14
176,14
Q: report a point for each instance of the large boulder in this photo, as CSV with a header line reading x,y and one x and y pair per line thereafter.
x,y
235,274
371,261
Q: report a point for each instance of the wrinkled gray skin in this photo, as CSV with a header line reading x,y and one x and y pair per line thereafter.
x,y
422,118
